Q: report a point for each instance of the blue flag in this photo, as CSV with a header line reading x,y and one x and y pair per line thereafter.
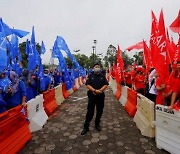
x,y
43,49
3,52
32,52
5,28
63,46
20,33
27,47
14,44
9,31
4,84
55,50
41,76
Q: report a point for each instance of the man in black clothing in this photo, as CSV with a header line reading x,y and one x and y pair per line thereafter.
x,y
96,83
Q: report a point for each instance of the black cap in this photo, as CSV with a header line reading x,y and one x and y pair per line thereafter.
x,y
96,64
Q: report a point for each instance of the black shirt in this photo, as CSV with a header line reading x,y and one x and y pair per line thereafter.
x,y
97,81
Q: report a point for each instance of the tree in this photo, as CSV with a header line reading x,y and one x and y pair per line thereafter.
x,y
22,48
111,57
139,58
82,59
92,60
127,59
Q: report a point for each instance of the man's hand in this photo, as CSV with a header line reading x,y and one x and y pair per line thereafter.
x,y
98,92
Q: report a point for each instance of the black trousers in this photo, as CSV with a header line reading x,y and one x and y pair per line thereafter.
x,y
152,97
98,102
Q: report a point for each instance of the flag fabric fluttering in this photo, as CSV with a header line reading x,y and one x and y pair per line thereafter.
x,y
27,47
43,49
3,52
32,52
147,57
8,31
56,53
170,51
136,46
160,54
154,31
177,52
41,76
20,33
15,45
175,26
120,65
15,53
5,28
62,45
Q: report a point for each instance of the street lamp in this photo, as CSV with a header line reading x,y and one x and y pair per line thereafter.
x,y
77,50
93,47
95,42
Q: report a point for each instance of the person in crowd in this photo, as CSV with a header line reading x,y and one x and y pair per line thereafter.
x,y
57,78
160,87
151,89
2,102
139,82
4,88
176,87
47,79
29,83
34,76
128,78
96,83
17,92
168,86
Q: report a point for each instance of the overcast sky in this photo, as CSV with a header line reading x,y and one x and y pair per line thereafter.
x,y
79,22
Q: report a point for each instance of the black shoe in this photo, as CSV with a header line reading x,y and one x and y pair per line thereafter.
x,y
84,131
98,128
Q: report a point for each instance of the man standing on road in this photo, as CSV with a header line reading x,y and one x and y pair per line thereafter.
x,y
96,83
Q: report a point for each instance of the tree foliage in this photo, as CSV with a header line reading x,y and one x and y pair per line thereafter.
x,y
127,60
111,56
83,60
139,58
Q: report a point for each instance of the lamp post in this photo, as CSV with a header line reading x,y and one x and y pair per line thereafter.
x,y
77,50
93,47
95,42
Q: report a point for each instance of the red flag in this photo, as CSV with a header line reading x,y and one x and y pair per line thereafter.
x,y
147,57
136,46
177,52
175,26
160,54
120,65
134,65
170,51
154,31
120,62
